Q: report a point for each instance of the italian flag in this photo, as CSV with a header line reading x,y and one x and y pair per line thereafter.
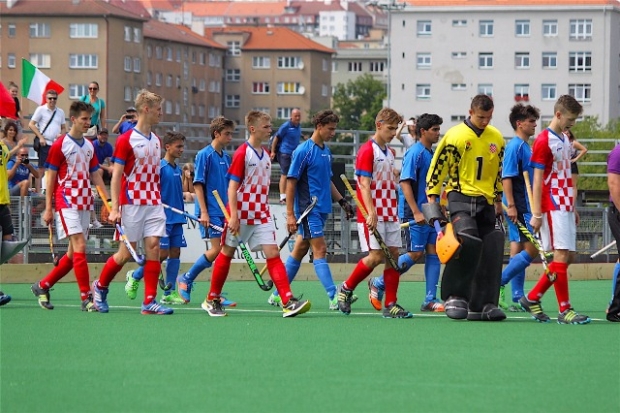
x,y
35,83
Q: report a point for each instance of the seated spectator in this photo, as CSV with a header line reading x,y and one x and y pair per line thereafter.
x,y
104,151
10,138
127,121
187,178
19,171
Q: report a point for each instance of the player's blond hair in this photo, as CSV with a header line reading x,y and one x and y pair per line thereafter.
x,y
147,98
255,116
388,115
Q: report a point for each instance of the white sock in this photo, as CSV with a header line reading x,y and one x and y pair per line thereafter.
x,y
282,197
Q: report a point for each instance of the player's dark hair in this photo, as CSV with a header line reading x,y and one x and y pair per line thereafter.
x,y
78,107
172,137
325,117
568,104
519,113
426,121
482,102
220,123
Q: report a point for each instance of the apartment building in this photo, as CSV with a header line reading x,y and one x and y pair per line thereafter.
x,y
445,52
273,69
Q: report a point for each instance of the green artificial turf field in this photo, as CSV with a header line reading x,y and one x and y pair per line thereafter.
x,y
255,361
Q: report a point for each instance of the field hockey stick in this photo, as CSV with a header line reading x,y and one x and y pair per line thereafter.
x,y
51,238
375,232
192,217
298,223
542,253
265,286
602,250
138,259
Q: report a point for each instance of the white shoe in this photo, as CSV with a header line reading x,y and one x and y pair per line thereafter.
x,y
95,224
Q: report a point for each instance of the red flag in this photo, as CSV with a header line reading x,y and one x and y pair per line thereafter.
x,y
7,103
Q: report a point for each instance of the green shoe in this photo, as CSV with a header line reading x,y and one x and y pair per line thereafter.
x,y
173,298
131,288
333,303
274,300
502,298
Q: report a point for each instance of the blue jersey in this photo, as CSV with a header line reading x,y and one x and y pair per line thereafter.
x,y
172,191
416,162
210,171
289,136
22,173
312,167
516,160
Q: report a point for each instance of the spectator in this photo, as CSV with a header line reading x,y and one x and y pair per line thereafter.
x,y
10,139
284,143
14,89
19,170
47,123
104,151
98,104
408,138
187,178
127,121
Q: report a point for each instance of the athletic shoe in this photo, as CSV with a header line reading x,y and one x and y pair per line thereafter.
x,y
535,309
434,306
490,312
100,297
502,298
570,316
515,308
172,299
226,302
43,294
4,298
214,308
333,303
614,318
396,311
154,308
343,297
87,304
295,307
131,288
375,294
456,308
184,287
274,300
95,225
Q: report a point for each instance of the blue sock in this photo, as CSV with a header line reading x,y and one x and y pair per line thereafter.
x,y
432,269
516,264
516,286
172,270
405,262
614,281
292,268
202,264
325,276
138,274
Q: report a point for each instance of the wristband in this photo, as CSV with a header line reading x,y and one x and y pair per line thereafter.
x,y
537,216
511,205
342,201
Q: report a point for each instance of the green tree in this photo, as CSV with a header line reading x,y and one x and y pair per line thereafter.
x,y
358,101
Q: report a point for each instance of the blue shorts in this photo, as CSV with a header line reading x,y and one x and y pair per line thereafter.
x,y
420,236
174,237
284,159
514,234
312,225
211,232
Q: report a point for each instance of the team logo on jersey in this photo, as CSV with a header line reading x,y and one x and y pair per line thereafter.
x,y
492,148
467,145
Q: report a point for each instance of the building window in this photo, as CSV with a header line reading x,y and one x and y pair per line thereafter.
x,y
522,60
169,81
459,23
550,28
212,60
458,86
158,53
549,92
486,28
83,61
158,77
232,101
179,55
580,62
83,30
149,51
168,107
137,35
284,113
10,61
457,118
549,60
423,91
424,27
324,90
485,60
261,62
522,92
233,75
581,92
177,108
77,91
522,28
202,85
178,82
485,89
325,65
11,30
423,60
41,60
289,62
169,54
137,65
127,94
201,111
581,29
355,66
459,55
127,64
149,78
334,67
377,67
39,30
290,88
260,88
127,33
185,70
202,59
263,109
234,48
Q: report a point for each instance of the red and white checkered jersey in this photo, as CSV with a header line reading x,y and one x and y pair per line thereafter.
x,y
73,161
378,164
140,156
552,153
253,172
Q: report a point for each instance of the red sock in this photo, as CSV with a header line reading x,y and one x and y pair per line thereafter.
x,y
82,276
277,272
151,275
390,279
221,267
109,271
64,266
360,272
561,284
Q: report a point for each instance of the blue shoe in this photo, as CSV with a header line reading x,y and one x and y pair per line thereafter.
x,y
184,287
154,308
100,297
4,298
226,302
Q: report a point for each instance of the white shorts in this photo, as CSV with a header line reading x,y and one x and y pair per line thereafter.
x,y
559,231
389,231
140,221
71,221
255,236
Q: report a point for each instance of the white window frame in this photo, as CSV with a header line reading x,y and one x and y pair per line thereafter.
x,y
149,78
522,92
83,61
459,23
458,86
40,30
485,89
325,65
283,113
127,64
582,92
137,35
168,80
137,65
423,91
324,90
289,62
10,61
261,62
424,28
77,91
234,48
159,53
549,60
41,60
522,28
488,57
579,62
486,28
169,53
11,30
127,93
549,91
580,29
158,78
459,55
424,61
550,28
232,101
233,75
356,67
260,88
127,34
377,67
522,60
168,107
83,30
289,88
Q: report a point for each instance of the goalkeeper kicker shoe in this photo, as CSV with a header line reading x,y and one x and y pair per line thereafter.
x,y
43,294
570,316
456,308
535,309
295,307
